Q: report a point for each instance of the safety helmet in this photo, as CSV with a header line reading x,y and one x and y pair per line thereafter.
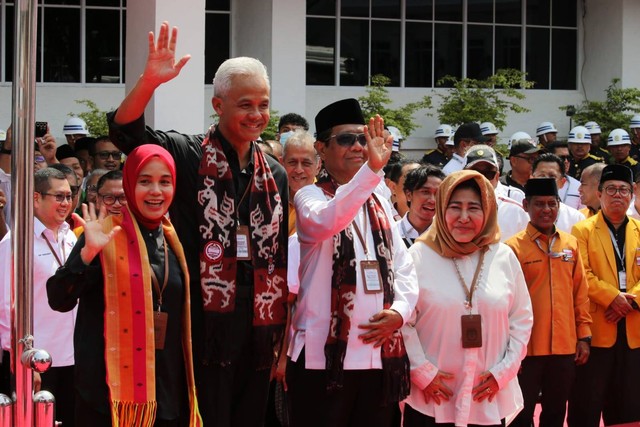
x,y
618,137
545,127
445,131
488,128
593,127
518,136
635,122
397,137
3,135
75,126
579,135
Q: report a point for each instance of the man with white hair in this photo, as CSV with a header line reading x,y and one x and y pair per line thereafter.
x,y
230,213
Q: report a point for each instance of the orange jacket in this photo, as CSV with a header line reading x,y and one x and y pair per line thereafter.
x,y
558,289
599,260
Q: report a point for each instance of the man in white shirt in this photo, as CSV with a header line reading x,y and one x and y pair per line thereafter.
x,y
420,187
53,331
512,218
465,137
357,286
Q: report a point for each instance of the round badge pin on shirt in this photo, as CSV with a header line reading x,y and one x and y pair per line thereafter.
x,y
213,251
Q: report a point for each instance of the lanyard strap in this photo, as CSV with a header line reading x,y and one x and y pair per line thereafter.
x,y
154,278
474,283
246,191
360,235
614,241
54,252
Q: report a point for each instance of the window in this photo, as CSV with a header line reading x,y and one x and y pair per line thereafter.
x,y
417,42
77,42
217,46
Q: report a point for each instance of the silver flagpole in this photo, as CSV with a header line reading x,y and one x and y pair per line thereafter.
x,y
23,118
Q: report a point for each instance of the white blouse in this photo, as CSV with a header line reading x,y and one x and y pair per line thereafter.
x,y
433,336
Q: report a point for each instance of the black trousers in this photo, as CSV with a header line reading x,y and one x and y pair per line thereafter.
x,y
359,403
553,376
413,418
59,381
235,395
609,384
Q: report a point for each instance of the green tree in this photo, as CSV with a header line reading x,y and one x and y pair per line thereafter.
x,y
95,118
377,100
272,128
487,100
614,112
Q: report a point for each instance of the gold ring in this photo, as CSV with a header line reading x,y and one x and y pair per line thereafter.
x,y
488,390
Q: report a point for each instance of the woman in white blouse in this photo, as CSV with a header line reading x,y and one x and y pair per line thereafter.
x,y
473,318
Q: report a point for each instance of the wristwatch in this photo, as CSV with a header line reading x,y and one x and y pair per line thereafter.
x,y
585,339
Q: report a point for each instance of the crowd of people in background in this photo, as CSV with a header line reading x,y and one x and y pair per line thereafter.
x,y
328,280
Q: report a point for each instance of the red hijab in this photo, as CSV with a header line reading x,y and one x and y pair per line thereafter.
x,y
136,160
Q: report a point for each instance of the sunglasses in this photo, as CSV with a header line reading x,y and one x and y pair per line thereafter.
x,y
348,139
104,155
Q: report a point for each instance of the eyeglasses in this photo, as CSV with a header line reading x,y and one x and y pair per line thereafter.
x,y
74,190
60,197
565,158
528,159
92,188
104,155
348,139
612,190
110,199
39,159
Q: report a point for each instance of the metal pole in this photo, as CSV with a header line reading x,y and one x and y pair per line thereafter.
x,y
23,118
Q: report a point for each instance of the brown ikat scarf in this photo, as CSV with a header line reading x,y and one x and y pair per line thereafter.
x,y
395,363
218,261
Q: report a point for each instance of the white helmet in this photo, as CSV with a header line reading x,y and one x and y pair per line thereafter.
x,y
635,122
518,136
445,131
580,135
3,135
545,127
75,126
618,137
397,137
593,127
488,128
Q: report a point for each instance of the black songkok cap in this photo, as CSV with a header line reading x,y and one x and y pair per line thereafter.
x,y
84,143
469,131
343,112
64,152
617,173
541,187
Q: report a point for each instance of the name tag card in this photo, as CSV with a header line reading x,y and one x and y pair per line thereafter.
x,y
371,276
471,330
160,328
243,245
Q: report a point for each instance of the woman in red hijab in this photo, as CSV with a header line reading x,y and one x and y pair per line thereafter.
x,y
128,275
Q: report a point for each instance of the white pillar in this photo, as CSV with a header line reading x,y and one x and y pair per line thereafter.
x,y
274,31
178,104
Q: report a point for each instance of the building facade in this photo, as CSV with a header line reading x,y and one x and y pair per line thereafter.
x,y
319,51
